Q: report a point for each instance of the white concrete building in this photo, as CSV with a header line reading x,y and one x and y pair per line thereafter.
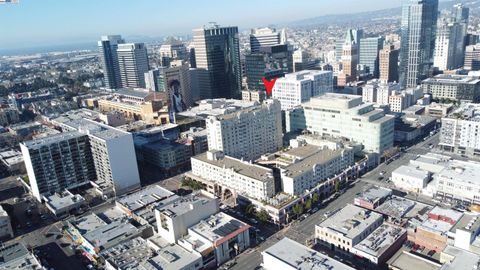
x,y
459,132
248,133
289,254
238,176
346,116
310,165
410,178
218,238
297,88
62,203
376,91
174,218
459,180
347,227
6,230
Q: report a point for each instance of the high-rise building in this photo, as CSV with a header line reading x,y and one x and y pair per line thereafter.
x,y
418,31
217,51
389,63
296,88
450,44
268,62
369,54
58,162
249,133
349,59
264,37
133,62
357,36
108,54
152,81
472,57
345,116
175,50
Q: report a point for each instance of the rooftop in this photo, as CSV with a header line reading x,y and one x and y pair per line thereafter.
x,y
399,207
76,115
170,256
16,256
108,233
307,164
351,220
452,79
404,260
45,141
468,222
441,226
128,255
412,172
241,167
144,197
300,257
132,92
461,259
185,204
216,107
218,226
380,240
87,223
64,199
374,194
95,129
461,171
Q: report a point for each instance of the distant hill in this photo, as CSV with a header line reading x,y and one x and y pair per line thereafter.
x,y
376,15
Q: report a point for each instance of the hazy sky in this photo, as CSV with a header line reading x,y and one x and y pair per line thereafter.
x,y
33,23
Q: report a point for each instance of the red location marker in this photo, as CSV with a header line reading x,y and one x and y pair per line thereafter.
x,y
269,85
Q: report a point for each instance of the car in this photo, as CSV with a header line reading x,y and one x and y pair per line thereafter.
x,y
43,217
90,267
327,214
261,238
380,178
29,224
314,209
253,221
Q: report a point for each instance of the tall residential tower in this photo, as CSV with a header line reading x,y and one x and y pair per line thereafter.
x,y
108,52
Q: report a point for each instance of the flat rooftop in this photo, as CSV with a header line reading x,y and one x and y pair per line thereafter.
x,y
300,257
374,194
439,226
114,231
452,79
145,196
62,200
241,167
306,164
411,171
380,240
399,207
95,129
129,254
218,226
216,107
45,141
182,205
467,172
16,256
76,115
170,256
469,222
462,259
351,220
88,223
132,92
405,260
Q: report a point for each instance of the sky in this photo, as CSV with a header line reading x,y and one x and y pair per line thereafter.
x,y
35,23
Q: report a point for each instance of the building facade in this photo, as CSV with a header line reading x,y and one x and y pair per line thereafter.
x,y
297,88
418,31
346,116
369,54
388,63
133,64
108,52
248,133
453,87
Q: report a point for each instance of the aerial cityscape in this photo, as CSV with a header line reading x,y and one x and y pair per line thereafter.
x,y
257,135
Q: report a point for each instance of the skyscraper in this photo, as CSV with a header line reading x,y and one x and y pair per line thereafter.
x,y
261,37
108,54
357,36
369,54
418,31
349,58
217,50
133,62
389,63
472,57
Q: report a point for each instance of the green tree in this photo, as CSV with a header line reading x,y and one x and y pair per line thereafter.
x,y
315,197
338,186
298,209
250,210
263,216
308,204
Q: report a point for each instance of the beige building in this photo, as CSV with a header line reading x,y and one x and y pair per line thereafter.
x,y
388,62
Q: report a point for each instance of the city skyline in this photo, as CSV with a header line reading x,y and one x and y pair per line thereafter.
x,y
85,22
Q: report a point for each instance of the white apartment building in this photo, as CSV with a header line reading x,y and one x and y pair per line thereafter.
x,y
376,91
459,132
6,230
174,218
346,116
347,227
241,177
297,88
248,133
310,165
